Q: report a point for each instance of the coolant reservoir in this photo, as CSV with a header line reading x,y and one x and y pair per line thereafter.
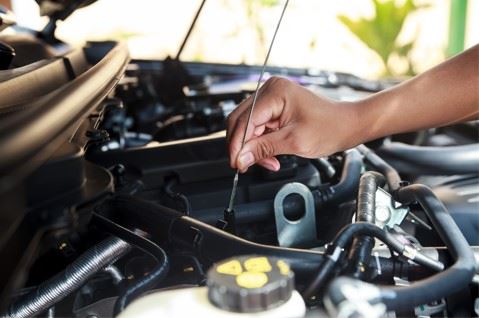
x,y
246,286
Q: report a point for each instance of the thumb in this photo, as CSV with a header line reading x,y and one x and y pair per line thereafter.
x,y
262,147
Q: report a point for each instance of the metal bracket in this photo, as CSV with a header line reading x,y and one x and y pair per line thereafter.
x,y
297,232
388,212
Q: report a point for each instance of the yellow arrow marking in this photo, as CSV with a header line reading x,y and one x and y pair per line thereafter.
x,y
232,267
283,267
251,279
257,264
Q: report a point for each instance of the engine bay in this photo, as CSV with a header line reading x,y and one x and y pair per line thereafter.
x,y
122,197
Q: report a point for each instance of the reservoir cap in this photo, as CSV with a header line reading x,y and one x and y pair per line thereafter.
x,y
250,283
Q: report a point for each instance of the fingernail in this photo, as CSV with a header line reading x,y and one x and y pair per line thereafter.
x,y
246,160
271,167
274,168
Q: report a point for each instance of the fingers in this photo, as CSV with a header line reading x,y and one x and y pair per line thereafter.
x,y
262,150
233,116
265,117
270,163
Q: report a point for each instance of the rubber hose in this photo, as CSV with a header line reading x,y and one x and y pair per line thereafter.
x,y
154,277
343,239
324,166
453,279
392,176
347,186
344,190
422,160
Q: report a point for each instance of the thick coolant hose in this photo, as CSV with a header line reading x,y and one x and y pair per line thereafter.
x,y
344,238
392,176
347,186
449,160
366,212
153,278
73,277
324,166
453,279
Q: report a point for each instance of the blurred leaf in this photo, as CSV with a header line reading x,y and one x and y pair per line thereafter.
x,y
268,3
380,33
403,50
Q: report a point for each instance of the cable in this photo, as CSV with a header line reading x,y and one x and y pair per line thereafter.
x,y
344,238
392,176
177,195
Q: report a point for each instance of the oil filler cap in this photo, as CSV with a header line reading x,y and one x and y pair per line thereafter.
x,y
249,284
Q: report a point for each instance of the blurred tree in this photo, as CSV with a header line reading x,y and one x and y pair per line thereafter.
x,y
252,13
380,33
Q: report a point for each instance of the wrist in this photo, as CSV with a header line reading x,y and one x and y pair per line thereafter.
x,y
357,123
371,118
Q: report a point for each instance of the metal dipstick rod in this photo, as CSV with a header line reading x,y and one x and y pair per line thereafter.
x,y
229,212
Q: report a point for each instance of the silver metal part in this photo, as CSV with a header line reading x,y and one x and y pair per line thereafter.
x,y
430,252
475,280
235,180
297,232
378,263
51,312
359,300
233,191
388,212
428,310
115,273
336,254
410,252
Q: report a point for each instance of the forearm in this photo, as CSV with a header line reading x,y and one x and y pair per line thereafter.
x,y
446,94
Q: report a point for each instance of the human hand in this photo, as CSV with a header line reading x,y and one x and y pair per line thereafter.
x,y
289,119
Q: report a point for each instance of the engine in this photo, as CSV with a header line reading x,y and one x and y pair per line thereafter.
x,y
127,215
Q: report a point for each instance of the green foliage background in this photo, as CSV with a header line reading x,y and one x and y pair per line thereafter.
x,y
381,32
